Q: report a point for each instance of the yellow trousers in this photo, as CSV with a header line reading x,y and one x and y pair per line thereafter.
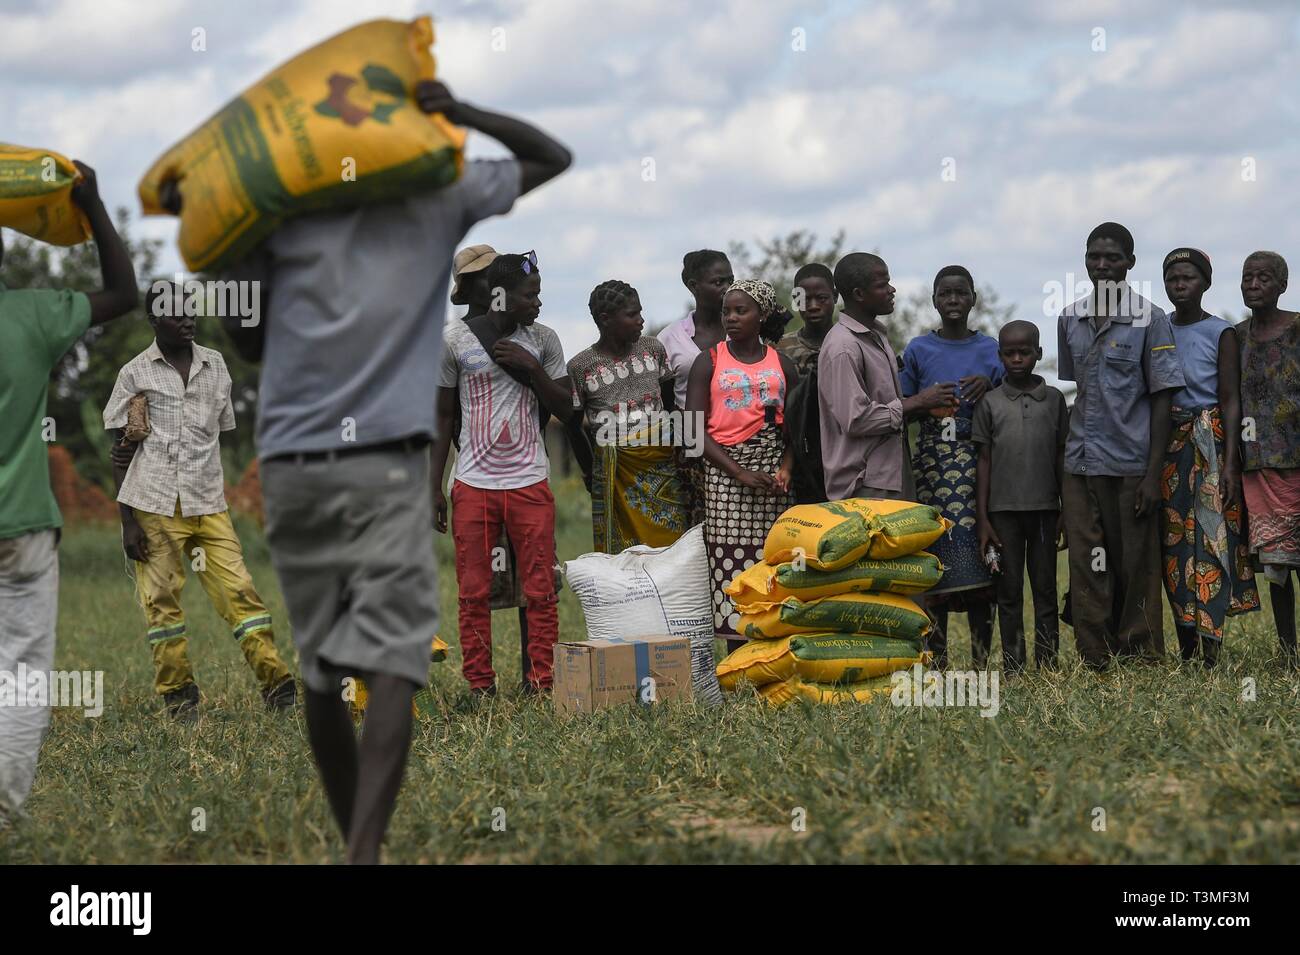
x,y
208,545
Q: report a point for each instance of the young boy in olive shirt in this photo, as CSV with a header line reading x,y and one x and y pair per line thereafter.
x,y
1020,428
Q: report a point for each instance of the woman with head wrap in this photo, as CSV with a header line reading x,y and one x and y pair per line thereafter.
x,y
1270,409
946,459
739,388
1206,566
620,386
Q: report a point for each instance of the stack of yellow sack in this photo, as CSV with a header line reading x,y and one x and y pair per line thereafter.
x,y
827,612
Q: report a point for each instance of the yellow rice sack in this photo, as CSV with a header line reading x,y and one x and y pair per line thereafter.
x,y
765,583
835,534
817,658
36,196
882,615
780,694
758,661
850,657
336,126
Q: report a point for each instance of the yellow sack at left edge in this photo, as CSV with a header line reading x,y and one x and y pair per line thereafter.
x,y
36,196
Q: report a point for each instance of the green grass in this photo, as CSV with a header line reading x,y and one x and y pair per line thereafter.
x,y
1185,770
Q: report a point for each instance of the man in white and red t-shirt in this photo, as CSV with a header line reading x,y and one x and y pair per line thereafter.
x,y
501,463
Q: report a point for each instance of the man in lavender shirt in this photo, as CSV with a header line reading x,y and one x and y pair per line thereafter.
x,y
863,411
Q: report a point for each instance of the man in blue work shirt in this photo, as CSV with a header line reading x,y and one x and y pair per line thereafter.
x,y
1119,348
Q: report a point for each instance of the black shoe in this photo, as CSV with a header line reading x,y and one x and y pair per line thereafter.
x,y
532,689
282,697
183,704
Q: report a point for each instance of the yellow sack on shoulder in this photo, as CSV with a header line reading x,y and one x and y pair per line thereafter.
x,y
765,583
818,658
834,534
334,127
780,694
36,196
882,615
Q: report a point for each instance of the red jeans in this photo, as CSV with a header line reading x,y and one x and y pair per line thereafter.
x,y
529,517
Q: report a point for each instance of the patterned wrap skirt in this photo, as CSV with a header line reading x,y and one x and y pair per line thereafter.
x,y
1207,568
1273,505
944,469
737,519
637,495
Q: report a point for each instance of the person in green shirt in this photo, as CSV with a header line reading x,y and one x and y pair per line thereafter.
x,y
36,327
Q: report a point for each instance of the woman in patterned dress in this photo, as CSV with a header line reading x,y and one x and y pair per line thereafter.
x,y
740,387
1270,400
620,385
1207,570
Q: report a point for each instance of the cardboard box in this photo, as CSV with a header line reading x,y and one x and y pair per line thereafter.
x,y
593,674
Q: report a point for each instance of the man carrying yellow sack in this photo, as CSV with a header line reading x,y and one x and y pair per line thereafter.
x,y
37,328
173,505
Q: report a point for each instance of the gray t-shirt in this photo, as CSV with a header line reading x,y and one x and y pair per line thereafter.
x,y
1025,431
358,304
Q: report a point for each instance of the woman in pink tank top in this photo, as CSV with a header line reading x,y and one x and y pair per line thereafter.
x,y
740,389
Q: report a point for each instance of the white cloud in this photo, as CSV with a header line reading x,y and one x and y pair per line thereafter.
x,y
751,138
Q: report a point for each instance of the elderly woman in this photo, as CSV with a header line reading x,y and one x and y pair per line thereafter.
x,y
1270,412
739,387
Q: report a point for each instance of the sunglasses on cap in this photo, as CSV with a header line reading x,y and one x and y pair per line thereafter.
x,y
529,263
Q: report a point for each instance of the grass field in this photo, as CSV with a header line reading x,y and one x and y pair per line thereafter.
x,y
1184,769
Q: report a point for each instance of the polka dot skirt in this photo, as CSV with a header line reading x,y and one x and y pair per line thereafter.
x,y
737,519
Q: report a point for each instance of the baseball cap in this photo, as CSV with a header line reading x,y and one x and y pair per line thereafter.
x,y
474,258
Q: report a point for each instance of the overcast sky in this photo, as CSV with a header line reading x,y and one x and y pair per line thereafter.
x,y
752,137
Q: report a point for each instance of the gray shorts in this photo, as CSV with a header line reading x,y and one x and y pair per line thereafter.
x,y
351,540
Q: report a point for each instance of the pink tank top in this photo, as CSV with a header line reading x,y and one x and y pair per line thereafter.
x,y
740,393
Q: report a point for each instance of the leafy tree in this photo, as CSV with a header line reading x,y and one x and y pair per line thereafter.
x,y
776,261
